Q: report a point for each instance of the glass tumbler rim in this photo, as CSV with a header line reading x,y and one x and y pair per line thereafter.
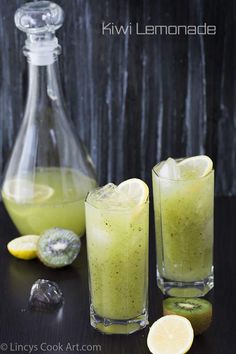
x,y
116,209
181,179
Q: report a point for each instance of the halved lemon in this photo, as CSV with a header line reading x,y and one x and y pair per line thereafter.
x,y
23,190
135,189
170,334
195,167
24,247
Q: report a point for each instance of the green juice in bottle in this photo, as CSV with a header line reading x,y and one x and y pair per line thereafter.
x,y
54,198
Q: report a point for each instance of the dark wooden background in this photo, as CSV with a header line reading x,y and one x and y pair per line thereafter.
x,y
136,99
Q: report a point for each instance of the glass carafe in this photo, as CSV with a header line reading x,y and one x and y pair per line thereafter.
x,y
49,172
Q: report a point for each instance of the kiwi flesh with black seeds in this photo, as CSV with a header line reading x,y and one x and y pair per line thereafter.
x,y
58,248
197,311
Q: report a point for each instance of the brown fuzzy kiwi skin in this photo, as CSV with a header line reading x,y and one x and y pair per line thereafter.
x,y
198,323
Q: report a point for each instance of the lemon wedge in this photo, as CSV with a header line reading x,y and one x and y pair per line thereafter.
x,y
24,190
170,335
24,247
135,189
195,167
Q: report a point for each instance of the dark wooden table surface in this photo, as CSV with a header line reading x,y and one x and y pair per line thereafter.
x,y
19,327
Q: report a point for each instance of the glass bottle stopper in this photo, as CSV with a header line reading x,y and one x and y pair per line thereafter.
x,y
39,20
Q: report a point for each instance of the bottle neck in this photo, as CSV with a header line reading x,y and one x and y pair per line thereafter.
x,y
42,50
44,88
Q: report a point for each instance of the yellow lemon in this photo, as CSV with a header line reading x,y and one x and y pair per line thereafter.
x,y
195,167
23,189
135,189
24,247
170,335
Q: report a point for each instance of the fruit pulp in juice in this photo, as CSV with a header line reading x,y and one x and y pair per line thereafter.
x,y
52,197
184,227
117,243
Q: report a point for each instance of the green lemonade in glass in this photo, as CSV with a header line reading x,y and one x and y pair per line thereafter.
x,y
184,229
52,197
117,246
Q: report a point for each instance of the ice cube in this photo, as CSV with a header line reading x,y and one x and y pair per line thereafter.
x,y
99,196
170,169
103,193
109,197
121,200
45,295
101,238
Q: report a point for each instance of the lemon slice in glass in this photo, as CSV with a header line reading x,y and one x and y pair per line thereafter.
x,y
195,167
24,247
24,190
135,189
170,335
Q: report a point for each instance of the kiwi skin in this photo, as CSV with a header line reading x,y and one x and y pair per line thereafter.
x,y
197,311
60,260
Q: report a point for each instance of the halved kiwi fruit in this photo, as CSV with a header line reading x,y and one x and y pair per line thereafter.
x,y
58,248
197,311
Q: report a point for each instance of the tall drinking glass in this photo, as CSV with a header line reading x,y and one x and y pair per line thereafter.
x,y
117,246
184,233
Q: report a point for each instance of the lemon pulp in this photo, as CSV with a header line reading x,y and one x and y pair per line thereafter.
x,y
24,247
